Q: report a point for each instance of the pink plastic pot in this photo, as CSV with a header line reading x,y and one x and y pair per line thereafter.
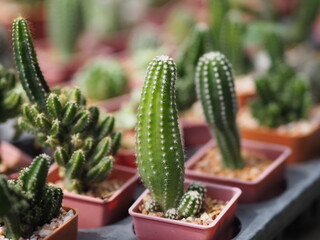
x,y
156,228
95,212
195,133
126,158
10,154
114,104
269,184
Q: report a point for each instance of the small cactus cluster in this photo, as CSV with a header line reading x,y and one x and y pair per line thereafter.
x,y
198,43
215,89
82,139
282,97
160,156
10,98
65,24
102,78
28,202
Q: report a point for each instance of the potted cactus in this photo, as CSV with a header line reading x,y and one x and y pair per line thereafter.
x,y
32,209
11,158
282,113
81,138
256,168
160,160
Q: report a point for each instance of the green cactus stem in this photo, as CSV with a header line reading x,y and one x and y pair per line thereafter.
x,y
152,206
198,187
28,202
215,89
190,204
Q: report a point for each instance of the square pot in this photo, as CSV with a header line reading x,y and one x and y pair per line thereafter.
x,y
95,212
304,147
126,157
268,184
156,228
194,133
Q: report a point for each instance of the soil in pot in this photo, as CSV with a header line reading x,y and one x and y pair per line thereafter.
x,y
210,210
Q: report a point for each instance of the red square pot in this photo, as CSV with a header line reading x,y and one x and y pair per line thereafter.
x,y
195,133
126,158
267,185
156,228
95,212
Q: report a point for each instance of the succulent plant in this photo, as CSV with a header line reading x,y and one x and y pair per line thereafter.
x,y
198,43
82,138
274,46
28,202
160,156
102,78
215,89
10,98
65,24
282,97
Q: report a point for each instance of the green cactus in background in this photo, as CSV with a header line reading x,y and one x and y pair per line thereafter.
x,y
275,48
82,139
6,59
102,78
160,156
215,89
198,43
28,202
282,97
10,98
65,24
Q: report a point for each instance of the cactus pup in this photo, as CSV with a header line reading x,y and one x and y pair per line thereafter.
x,y
160,156
215,89
28,202
81,137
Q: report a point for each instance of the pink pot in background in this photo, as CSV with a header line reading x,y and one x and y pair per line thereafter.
x,y
269,184
156,228
11,155
195,133
95,212
126,157
114,104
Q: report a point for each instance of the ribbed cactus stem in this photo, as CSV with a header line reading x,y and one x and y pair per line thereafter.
x,y
190,204
27,64
160,156
215,89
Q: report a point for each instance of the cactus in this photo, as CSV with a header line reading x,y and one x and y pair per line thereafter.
x,y
102,78
215,89
82,138
282,97
198,187
28,202
10,98
65,24
152,206
198,43
190,204
275,48
160,156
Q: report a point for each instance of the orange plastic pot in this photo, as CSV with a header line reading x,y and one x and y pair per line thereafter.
x,y
95,212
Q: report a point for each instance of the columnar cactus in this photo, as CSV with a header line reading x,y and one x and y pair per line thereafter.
x,y
198,43
215,89
160,156
65,24
28,202
82,138
275,48
10,98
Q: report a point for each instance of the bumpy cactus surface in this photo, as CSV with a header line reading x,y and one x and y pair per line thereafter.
x,y
82,138
198,43
160,156
282,97
65,24
102,78
10,98
215,89
28,202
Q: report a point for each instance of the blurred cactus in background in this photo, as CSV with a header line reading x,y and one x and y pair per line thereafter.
x,y
102,78
28,203
6,59
282,97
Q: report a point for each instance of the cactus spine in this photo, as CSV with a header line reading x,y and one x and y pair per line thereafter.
x,y
160,156
215,89
28,202
82,138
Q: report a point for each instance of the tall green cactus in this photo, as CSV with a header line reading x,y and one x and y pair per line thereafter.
x,y
28,202
65,24
160,156
10,98
215,89
198,43
82,138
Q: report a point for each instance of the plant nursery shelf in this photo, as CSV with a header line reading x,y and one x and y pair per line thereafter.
x,y
261,221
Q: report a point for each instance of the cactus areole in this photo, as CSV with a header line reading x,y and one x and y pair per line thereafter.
x,y
215,89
